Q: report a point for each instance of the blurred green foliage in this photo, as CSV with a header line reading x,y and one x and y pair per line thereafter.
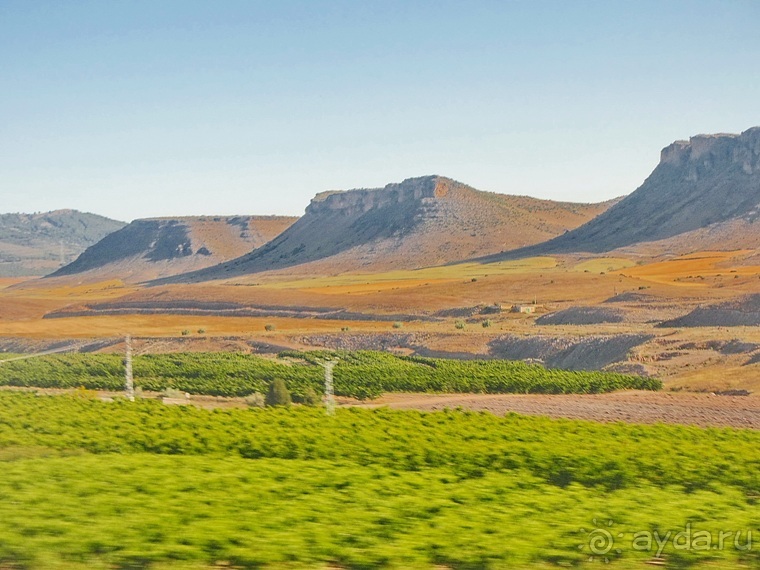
x,y
91,484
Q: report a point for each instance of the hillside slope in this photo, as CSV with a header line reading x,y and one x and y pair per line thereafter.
x,y
741,312
419,222
36,244
704,194
160,247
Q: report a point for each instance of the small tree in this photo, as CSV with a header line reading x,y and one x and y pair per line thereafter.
x,y
278,394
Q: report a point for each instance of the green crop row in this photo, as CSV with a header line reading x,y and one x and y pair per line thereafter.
x,y
360,374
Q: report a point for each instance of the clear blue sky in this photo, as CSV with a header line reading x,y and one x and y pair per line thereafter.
x,y
139,108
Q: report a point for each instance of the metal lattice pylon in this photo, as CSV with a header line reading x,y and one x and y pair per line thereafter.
x,y
329,391
129,382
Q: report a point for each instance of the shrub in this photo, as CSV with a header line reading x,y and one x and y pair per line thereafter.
x,y
278,394
201,331
174,394
185,332
269,328
397,325
255,400
309,397
487,323
459,325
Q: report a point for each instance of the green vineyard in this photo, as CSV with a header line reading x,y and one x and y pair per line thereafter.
x,y
360,374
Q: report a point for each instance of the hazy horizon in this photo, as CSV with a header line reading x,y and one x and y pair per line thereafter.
x,y
149,109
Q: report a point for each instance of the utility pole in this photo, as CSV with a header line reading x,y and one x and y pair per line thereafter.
x,y
129,384
329,391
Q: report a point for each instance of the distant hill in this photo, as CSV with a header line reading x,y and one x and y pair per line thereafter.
x,y
704,194
419,222
36,244
161,247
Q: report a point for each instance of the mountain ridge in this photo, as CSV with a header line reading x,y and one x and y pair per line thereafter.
x,y
698,186
152,248
37,243
419,222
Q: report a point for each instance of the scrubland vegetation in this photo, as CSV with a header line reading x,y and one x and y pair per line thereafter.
x,y
91,484
361,374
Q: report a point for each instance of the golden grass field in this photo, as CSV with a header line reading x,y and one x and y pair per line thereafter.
x,y
696,269
366,282
553,283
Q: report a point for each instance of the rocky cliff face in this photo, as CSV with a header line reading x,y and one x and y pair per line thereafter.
x,y
411,192
709,182
702,154
419,222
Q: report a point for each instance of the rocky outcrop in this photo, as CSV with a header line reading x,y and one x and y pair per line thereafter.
x,y
703,153
413,191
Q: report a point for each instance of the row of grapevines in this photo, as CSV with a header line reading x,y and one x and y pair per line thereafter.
x,y
361,374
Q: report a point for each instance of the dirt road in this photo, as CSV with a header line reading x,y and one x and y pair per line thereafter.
x,y
706,410
686,408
